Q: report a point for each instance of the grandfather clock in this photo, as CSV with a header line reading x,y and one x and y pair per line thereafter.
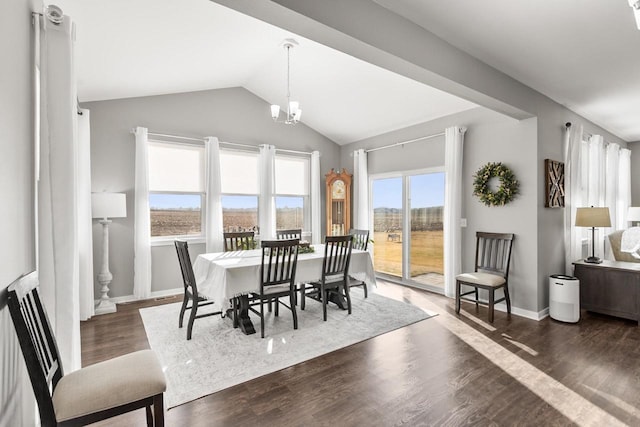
x,y
338,202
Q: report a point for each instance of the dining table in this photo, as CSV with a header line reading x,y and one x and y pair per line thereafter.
x,y
227,276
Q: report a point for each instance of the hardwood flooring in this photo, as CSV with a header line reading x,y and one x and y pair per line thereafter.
x,y
448,370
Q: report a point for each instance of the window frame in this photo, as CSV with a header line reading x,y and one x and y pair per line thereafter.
x,y
306,199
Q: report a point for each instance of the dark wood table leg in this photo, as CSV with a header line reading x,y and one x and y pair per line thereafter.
x,y
338,299
243,320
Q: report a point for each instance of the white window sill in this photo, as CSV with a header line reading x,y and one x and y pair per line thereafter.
x,y
169,241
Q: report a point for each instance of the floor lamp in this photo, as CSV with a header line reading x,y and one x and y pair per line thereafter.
x,y
105,206
593,217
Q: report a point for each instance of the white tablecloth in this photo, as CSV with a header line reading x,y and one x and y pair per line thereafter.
x,y
223,275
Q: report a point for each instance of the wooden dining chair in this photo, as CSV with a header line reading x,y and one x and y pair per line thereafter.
x,y
335,274
277,278
493,256
295,233
88,395
239,241
191,295
360,242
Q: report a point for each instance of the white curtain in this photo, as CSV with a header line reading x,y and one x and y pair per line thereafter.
x,y
316,204
624,189
573,198
454,143
142,220
213,185
267,208
360,190
58,256
85,238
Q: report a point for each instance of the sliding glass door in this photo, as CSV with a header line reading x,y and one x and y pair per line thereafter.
x,y
408,212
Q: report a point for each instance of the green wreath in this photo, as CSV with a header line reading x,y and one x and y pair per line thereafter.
x,y
508,184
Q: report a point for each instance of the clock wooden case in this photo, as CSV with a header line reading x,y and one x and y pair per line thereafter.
x,y
338,202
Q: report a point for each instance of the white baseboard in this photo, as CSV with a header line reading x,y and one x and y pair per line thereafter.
x,y
524,313
154,294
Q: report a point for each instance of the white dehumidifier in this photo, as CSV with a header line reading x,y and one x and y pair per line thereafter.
x,y
564,298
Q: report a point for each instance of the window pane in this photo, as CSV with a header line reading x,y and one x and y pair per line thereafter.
x,y
239,172
292,175
240,213
175,214
289,212
387,225
174,167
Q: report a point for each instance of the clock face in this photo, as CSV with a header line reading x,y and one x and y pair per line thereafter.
x,y
337,189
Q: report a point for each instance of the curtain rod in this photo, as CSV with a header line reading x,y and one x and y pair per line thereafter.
x,y
189,138
404,142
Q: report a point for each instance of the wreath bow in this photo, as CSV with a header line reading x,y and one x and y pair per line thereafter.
x,y
506,191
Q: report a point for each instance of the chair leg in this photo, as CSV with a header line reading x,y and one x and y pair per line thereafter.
x,y
185,300
323,295
302,296
234,308
491,300
366,292
277,305
348,296
507,299
457,296
292,303
262,317
477,296
192,317
270,306
149,416
158,410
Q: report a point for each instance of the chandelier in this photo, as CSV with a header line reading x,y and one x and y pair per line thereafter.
x,y
635,5
293,113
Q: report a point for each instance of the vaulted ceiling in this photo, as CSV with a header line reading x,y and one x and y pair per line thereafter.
x,y
584,54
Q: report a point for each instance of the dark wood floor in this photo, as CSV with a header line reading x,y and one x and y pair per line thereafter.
x,y
448,370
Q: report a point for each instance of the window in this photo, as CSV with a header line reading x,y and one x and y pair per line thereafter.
x,y
239,184
292,192
176,189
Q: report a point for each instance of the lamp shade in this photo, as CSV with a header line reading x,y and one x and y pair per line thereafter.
x,y
108,205
633,214
593,217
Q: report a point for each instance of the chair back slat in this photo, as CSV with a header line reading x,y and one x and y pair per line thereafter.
x,y
295,233
279,262
240,241
188,278
337,255
37,342
493,252
360,239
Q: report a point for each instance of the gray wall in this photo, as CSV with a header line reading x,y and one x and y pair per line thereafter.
x,y
635,172
233,115
17,208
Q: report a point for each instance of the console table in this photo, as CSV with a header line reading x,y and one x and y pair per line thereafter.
x,y
612,288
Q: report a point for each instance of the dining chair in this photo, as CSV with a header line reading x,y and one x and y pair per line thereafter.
x,y
90,394
360,242
295,233
493,256
190,289
335,274
277,278
239,241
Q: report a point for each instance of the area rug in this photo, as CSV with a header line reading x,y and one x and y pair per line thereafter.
x,y
219,356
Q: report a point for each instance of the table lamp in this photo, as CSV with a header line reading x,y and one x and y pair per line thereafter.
x,y
633,215
104,206
593,217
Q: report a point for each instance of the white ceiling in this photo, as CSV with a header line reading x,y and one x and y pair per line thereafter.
x,y
136,48
584,54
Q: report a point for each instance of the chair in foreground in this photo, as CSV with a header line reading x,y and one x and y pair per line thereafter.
x,y
335,274
360,242
240,241
295,233
277,278
493,256
190,289
88,395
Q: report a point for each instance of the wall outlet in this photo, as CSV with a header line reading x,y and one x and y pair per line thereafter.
x,y
463,222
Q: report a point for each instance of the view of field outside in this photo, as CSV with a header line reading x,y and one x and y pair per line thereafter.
x,y
426,249
180,214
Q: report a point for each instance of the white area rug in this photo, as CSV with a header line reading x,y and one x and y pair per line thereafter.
x,y
219,356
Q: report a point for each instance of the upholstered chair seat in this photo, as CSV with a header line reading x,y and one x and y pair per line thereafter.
x,y
486,279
